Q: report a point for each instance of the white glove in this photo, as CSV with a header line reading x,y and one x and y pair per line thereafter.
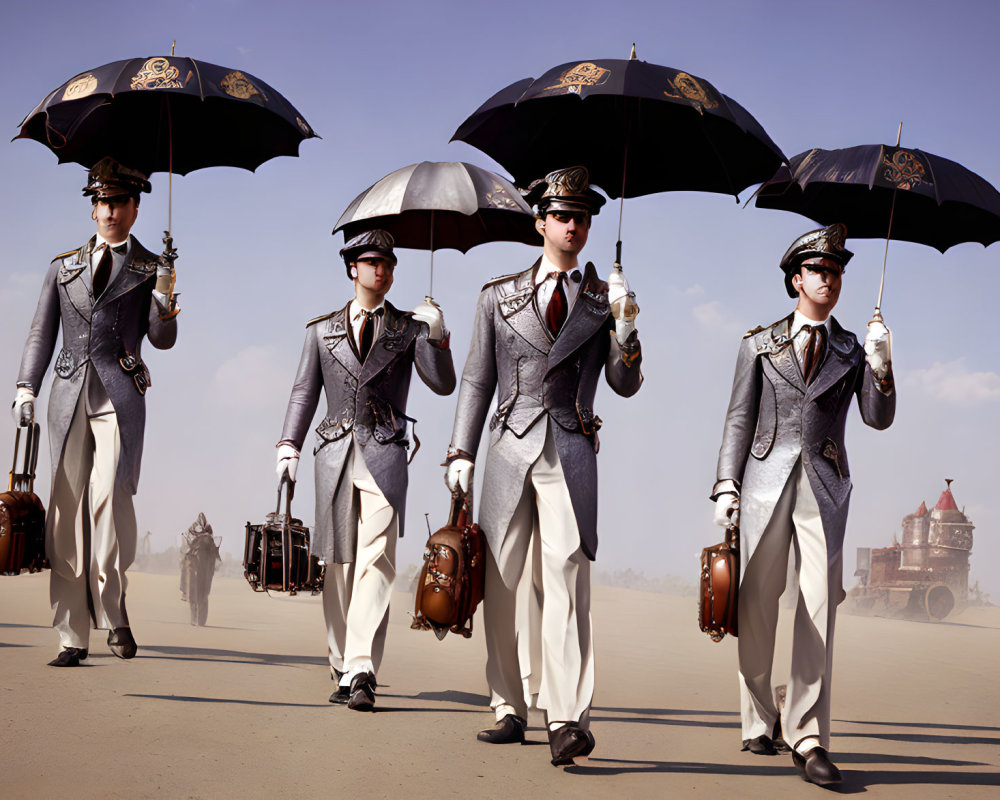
x,y
459,475
165,278
288,459
623,306
726,510
163,291
430,313
23,409
878,347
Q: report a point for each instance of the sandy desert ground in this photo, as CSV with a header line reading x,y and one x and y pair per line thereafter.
x,y
239,708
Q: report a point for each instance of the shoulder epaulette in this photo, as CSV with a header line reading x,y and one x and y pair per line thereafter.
x,y
312,322
501,279
67,253
753,331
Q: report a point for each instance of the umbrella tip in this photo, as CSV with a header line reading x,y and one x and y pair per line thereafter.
x,y
632,55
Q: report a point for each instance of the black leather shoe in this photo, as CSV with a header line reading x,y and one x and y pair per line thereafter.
x,y
341,695
569,742
816,767
508,730
121,643
69,657
362,692
761,746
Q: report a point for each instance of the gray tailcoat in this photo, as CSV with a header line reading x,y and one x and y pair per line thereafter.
x,y
774,419
368,400
94,337
538,379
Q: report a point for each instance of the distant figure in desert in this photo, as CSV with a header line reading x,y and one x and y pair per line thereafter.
x,y
199,554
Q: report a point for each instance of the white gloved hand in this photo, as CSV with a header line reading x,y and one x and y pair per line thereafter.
x,y
726,507
459,475
165,278
430,313
878,347
23,409
288,459
623,306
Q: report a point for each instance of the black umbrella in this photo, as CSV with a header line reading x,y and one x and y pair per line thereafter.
x,y
639,128
442,205
879,191
167,114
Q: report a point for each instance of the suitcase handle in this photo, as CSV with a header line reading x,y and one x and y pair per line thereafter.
x,y
286,480
460,514
25,480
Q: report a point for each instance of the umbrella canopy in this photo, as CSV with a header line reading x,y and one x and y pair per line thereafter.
x,y
438,205
167,114
638,127
881,191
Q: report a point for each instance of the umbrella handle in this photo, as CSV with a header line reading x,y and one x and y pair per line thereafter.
x,y
169,251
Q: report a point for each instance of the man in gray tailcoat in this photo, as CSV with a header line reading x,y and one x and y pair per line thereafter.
x,y
362,357
783,466
107,296
540,340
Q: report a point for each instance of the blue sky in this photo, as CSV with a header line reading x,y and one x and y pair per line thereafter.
x,y
385,84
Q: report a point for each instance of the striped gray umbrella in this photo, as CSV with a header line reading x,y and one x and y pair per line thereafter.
x,y
438,205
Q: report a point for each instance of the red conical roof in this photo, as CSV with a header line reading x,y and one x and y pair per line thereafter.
x,y
946,502
920,512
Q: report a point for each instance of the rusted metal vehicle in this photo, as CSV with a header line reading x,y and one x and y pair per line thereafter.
x,y
924,576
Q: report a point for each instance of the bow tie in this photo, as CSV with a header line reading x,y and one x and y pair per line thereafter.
x,y
378,312
573,276
120,249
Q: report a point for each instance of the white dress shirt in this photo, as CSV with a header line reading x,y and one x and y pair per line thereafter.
x,y
545,285
356,314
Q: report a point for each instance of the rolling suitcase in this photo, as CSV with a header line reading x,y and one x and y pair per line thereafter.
x,y
22,515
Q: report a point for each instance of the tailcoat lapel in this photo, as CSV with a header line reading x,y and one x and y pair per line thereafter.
x,y
74,278
139,265
518,309
590,312
839,359
395,336
336,338
782,354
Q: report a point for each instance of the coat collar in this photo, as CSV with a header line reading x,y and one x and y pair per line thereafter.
x,y
395,335
840,355
74,275
398,330
589,313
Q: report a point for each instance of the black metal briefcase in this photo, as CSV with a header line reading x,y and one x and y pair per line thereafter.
x,y
22,515
276,555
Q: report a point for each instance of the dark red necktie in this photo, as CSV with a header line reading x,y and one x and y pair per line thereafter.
x,y
103,272
812,355
555,312
366,335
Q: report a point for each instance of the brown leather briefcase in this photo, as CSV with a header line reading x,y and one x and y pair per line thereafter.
x,y
22,515
451,581
720,583
276,554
